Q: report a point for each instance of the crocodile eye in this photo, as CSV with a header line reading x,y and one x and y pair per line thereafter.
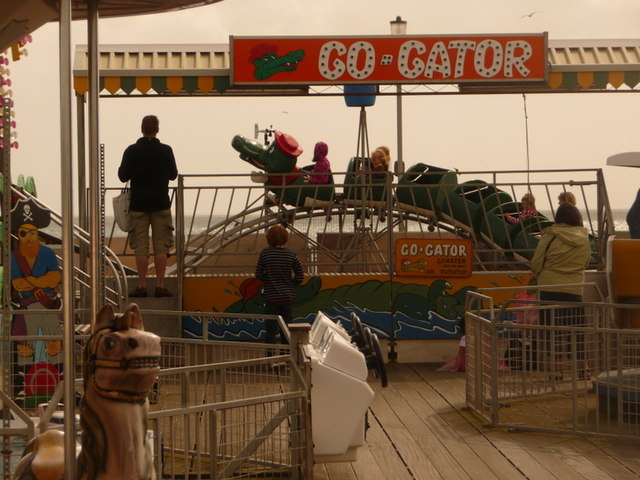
x,y
109,343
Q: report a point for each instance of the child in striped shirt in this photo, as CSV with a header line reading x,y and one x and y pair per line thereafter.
x,y
280,270
528,209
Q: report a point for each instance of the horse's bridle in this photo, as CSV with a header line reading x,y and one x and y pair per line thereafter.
x,y
94,363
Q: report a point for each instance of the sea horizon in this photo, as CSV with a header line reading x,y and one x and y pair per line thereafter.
x,y
201,221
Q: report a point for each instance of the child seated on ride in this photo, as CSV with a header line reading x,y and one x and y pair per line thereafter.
x,y
322,165
380,159
567,198
528,209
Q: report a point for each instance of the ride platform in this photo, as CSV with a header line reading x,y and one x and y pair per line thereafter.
x,y
421,429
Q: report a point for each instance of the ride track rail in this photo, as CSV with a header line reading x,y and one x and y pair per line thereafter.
x,y
222,223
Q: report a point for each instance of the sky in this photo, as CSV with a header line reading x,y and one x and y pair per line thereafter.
x,y
454,131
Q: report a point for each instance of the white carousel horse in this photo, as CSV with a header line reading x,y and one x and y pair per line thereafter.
x,y
121,364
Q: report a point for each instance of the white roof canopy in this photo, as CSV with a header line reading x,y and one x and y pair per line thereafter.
x,y
174,69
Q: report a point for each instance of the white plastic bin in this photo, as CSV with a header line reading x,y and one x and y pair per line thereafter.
x,y
340,395
321,325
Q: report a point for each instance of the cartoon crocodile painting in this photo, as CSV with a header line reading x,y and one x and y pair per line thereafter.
x,y
267,62
283,177
422,311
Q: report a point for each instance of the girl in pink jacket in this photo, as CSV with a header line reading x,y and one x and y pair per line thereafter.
x,y
322,165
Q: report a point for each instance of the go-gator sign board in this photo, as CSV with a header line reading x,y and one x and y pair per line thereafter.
x,y
434,257
388,59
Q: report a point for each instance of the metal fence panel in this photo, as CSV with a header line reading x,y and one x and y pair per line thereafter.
x,y
219,410
572,372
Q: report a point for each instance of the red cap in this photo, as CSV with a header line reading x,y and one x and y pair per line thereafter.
x,y
287,144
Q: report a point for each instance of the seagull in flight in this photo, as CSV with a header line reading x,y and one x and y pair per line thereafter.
x,y
530,14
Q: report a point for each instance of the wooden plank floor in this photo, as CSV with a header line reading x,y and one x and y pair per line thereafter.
x,y
420,429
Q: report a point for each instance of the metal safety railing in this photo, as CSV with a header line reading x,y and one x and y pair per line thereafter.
x,y
350,226
555,367
219,409
230,410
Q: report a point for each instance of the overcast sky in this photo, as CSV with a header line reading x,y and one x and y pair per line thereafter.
x,y
463,132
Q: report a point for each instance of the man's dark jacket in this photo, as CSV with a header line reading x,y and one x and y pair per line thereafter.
x,y
149,165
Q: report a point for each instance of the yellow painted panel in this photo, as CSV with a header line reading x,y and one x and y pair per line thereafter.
x,y
218,293
624,268
174,84
112,84
555,80
205,84
143,84
81,85
625,258
585,79
616,79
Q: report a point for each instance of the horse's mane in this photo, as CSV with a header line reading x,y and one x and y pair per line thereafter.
x,y
93,437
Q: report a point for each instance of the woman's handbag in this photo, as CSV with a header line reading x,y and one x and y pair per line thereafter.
x,y
121,211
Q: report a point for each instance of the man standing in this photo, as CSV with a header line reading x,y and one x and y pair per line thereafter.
x,y
149,165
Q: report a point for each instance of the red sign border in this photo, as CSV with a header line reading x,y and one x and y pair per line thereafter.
x,y
421,81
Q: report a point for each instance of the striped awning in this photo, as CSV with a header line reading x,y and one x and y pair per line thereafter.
x,y
204,69
156,69
584,64
148,85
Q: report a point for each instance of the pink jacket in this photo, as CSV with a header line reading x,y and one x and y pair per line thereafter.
x,y
322,164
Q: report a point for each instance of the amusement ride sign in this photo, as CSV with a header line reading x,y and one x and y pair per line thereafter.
x,y
396,59
433,257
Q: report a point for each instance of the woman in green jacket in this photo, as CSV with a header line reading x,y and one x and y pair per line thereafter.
x,y
559,263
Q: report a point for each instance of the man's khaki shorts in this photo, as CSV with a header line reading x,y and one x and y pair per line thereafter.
x,y
161,232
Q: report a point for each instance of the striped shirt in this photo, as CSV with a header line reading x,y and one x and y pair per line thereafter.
x,y
280,270
521,216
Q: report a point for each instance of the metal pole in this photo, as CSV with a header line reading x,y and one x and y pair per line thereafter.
x,y
95,198
399,165
392,355
6,277
399,27
83,221
67,240
180,237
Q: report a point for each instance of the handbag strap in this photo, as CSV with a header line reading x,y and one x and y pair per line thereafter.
x,y
544,257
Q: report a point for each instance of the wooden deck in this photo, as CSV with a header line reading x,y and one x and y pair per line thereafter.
x,y
420,429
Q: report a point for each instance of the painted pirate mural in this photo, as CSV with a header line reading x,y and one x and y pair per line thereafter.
x,y
35,275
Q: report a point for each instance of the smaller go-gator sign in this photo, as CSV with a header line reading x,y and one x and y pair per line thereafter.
x,y
388,59
433,257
